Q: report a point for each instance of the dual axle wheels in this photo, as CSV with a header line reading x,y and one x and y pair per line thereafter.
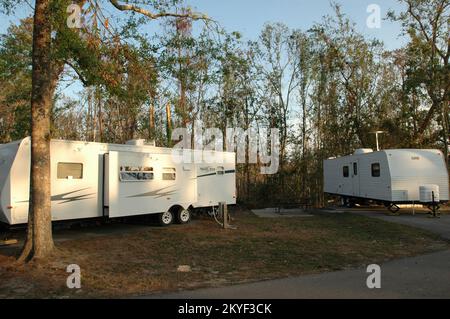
x,y
347,202
180,216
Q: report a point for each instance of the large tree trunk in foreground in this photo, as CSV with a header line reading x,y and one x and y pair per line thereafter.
x,y
39,242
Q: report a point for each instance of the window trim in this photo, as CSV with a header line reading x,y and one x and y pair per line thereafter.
x,y
143,170
67,177
373,171
346,171
173,171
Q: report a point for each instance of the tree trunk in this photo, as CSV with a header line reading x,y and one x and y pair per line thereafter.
x,y
169,125
445,130
39,241
99,115
151,124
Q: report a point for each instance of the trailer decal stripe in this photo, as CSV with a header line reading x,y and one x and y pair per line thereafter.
x,y
212,174
157,193
62,197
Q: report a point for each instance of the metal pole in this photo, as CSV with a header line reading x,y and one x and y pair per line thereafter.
x,y
434,207
225,215
377,140
378,145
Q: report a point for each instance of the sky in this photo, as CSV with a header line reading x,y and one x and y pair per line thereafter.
x,y
249,16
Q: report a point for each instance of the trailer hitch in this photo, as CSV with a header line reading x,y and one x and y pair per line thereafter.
x,y
434,210
434,207
393,208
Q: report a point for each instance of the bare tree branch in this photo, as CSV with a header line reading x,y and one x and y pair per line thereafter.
x,y
153,16
80,76
423,30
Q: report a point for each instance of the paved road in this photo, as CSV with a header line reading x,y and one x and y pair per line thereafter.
x,y
440,226
426,276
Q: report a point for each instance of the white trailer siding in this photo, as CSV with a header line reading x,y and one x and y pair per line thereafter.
x,y
71,198
85,178
401,173
8,153
19,183
212,177
128,198
411,169
75,198
373,186
361,184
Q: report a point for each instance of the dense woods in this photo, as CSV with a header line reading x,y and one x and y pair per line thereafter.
x,y
326,88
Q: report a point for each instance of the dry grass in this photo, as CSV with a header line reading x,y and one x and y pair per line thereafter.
x,y
146,261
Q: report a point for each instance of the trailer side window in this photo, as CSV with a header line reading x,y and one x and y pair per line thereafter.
x,y
346,171
355,169
69,171
206,169
135,174
376,170
169,174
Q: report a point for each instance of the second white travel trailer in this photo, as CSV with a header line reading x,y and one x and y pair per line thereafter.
x,y
391,177
110,180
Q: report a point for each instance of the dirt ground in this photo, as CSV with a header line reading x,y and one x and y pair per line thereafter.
x,y
136,260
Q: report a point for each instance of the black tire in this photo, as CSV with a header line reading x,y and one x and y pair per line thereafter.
x,y
351,204
184,216
344,201
165,219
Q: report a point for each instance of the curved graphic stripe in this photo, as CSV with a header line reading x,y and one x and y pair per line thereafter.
x,y
212,174
65,199
157,193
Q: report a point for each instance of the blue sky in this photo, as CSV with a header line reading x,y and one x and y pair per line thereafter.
x,y
249,16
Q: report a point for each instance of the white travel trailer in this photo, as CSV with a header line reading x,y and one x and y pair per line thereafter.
x,y
110,180
391,177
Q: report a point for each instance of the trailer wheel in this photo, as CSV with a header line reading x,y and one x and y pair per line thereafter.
x,y
166,218
346,202
183,216
350,203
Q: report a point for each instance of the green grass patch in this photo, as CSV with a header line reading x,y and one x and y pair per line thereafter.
x,y
146,262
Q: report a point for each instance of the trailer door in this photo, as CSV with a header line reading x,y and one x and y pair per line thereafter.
x,y
346,186
355,177
105,177
111,185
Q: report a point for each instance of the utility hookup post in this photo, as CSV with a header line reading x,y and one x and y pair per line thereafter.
x,y
434,205
223,211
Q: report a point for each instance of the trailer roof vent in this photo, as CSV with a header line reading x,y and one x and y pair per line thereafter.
x,y
141,142
137,142
363,151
